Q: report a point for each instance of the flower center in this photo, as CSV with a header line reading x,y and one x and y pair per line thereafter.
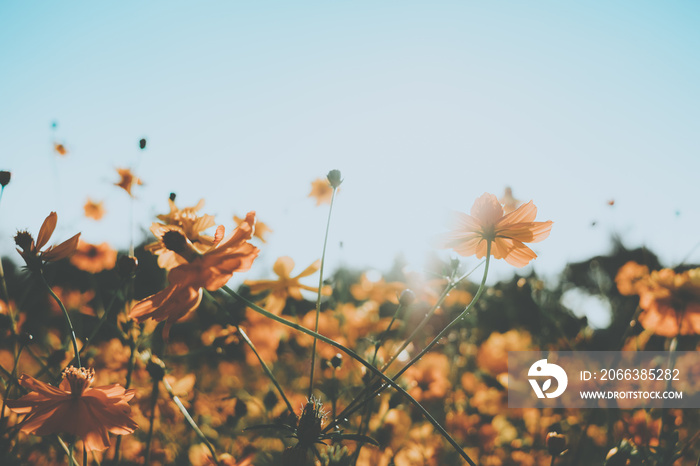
x,y
79,379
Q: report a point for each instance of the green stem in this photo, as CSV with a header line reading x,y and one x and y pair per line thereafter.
x,y
151,420
381,388
351,408
267,370
427,317
444,331
385,333
76,352
13,377
69,451
359,359
364,423
3,286
189,419
318,299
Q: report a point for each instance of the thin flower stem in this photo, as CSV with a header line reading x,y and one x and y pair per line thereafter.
x,y
427,317
128,293
444,331
151,420
364,423
13,377
69,451
385,333
3,285
76,352
360,397
359,359
320,288
267,370
381,388
85,459
189,419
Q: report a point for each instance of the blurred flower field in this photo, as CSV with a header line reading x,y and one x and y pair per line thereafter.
x,y
146,356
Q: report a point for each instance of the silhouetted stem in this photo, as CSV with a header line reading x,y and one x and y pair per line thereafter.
x,y
360,399
318,299
267,370
359,359
189,419
151,420
76,352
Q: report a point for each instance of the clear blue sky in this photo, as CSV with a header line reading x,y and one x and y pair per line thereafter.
x,y
423,106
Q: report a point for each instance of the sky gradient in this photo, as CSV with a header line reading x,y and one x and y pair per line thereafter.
x,y
423,106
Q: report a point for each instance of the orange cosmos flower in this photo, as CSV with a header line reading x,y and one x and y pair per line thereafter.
x,y
285,286
187,222
75,408
60,149
128,180
630,277
94,210
322,190
506,233
94,258
671,302
31,252
210,270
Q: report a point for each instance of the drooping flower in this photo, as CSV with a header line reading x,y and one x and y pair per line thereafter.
x,y
188,223
94,258
321,190
74,407
127,180
94,210
31,252
285,286
507,233
210,271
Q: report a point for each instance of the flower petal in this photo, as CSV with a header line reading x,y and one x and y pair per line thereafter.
x,y
46,230
63,250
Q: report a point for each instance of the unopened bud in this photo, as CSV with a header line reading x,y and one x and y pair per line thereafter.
x,y
395,400
556,443
407,297
156,368
126,266
337,361
5,178
241,408
270,400
24,240
334,178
